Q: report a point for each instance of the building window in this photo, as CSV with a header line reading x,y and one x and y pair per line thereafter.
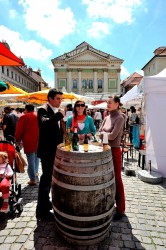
x,y
87,84
84,84
100,84
90,84
75,84
7,72
112,84
62,83
12,74
16,77
3,69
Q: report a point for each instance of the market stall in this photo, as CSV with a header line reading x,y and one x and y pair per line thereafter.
x,y
154,89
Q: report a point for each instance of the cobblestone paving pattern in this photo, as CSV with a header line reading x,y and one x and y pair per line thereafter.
x,y
143,227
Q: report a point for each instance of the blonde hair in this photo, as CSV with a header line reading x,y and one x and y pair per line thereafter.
x,y
4,156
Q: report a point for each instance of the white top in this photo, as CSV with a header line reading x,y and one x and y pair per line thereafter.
x,y
68,113
97,115
8,172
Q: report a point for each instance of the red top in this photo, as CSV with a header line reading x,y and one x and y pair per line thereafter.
x,y
27,131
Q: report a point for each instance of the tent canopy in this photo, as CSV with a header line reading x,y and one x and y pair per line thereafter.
x,y
40,97
154,83
132,97
13,90
154,88
102,105
3,86
7,58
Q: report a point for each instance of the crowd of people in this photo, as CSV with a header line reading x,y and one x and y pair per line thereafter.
x,y
41,132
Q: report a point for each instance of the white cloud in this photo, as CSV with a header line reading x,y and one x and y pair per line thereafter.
x,y
119,11
139,71
12,13
98,29
26,49
124,71
50,66
48,19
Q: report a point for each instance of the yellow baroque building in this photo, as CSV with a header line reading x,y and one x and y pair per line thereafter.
x,y
86,70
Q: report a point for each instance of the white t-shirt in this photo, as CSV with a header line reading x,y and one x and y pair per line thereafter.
x,y
8,171
68,113
97,115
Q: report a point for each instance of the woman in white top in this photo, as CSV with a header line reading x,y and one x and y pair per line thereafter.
x,y
69,112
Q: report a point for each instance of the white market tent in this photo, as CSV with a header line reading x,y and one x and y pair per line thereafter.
x,y
102,105
154,88
132,97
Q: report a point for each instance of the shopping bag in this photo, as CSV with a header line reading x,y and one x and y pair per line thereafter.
x,y
20,163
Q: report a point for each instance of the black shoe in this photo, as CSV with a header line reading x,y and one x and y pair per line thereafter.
x,y
117,216
47,216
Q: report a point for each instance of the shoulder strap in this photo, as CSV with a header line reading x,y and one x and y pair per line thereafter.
x,y
5,170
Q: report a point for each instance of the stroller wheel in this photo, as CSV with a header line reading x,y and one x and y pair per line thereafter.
x,y
12,209
20,205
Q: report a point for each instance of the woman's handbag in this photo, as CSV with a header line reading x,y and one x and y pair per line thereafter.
x,y
20,163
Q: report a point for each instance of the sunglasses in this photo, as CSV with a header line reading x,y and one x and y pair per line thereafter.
x,y
80,105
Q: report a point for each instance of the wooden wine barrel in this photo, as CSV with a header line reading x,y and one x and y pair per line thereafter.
x,y
83,192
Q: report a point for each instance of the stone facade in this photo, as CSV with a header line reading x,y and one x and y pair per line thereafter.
x,y
130,82
19,78
86,70
157,63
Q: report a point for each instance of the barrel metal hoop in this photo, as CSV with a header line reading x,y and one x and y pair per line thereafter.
x,y
83,188
85,228
87,163
83,237
83,218
90,175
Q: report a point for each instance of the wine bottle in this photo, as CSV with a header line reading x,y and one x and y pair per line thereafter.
x,y
68,140
86,146
75,140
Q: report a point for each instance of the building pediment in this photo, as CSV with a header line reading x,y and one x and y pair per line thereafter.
x,y
87,56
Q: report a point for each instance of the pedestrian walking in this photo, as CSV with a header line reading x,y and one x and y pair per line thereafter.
x,y
27,132
50,121
9,122
97,118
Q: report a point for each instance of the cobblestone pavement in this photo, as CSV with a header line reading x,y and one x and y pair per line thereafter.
x,y
143,227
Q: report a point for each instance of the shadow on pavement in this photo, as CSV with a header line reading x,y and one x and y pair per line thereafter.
x,y
121,235
163,184
29,194
47,236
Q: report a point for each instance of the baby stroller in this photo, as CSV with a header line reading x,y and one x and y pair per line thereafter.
x,y
15,202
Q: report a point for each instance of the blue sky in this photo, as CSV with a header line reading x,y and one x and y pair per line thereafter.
x,y
40,30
